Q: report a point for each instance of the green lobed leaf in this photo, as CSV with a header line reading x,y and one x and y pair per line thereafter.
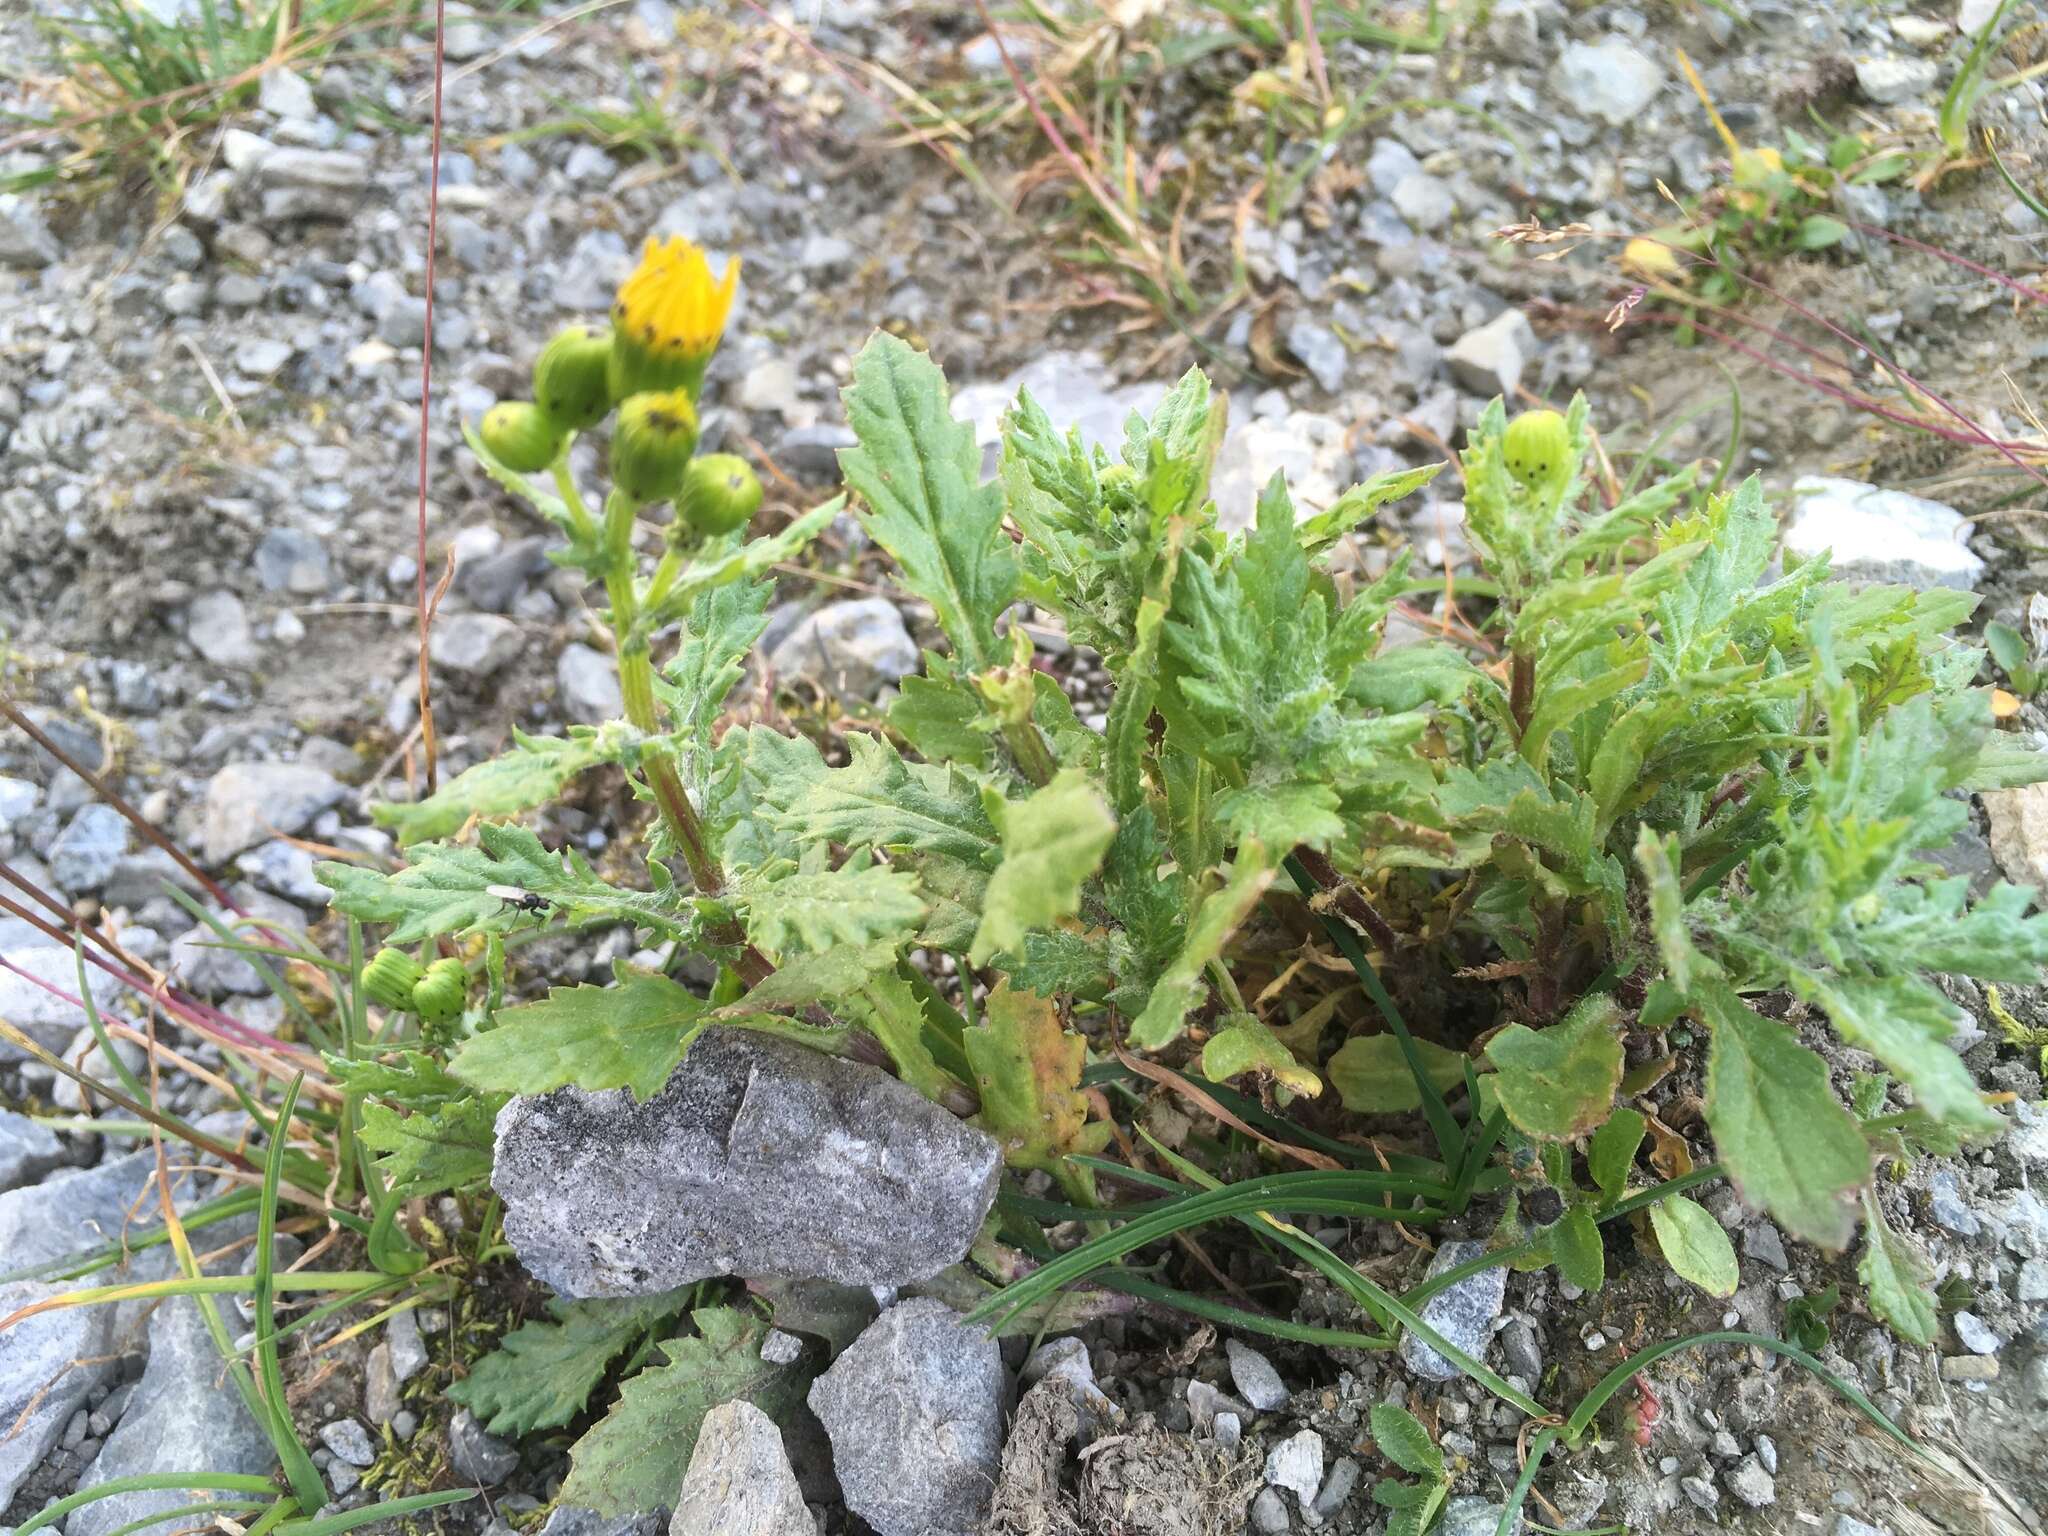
x,y
541,1374
919,473
1897,1278
1559,1083
442,1146
534,772
1695,1246
741,563
632,1035
633,1459
448,889
1906,1024
1372,1077
1786,1140
1053,842
1403,1441
819,910
1182,984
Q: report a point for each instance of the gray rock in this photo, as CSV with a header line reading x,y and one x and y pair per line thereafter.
x,y
1762,1243
1881,536
1390,163
2032,1284
408,1349
217,626
1469,1515
740,1482
250,803
914,1410
587,683
1254,1377
1076,389
811,454
1269,1512
1489,359
1296,1464
1977,1335
186,1413
259,357
310,183
41,1014
284,869
1609,79
825,255
206,968
381,1402
1425,201
75,1212
779,1348
1319,351
1337,1487
1752,1484
1521,1351
1889,81
25,240
292,560
17,798
1463,1314
760,1157
848,648
347,1439
84,1052
1849,1525
476,1456
49,1366
568,1520
284,93
1946,1205
494,583
85,852
27,1151
474,644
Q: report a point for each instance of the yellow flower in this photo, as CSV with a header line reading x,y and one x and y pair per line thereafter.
x,y
668,319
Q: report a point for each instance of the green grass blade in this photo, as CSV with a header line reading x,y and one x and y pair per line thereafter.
x,y
307,1487
186,1511
145,1482
369,1514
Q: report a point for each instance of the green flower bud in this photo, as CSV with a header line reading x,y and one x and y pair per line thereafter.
x,y
1538,448
719,495
570,379
521,436
652,443
389,978
441,993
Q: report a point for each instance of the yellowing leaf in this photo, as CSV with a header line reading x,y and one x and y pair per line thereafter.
x,y
1695,1246
1559,1082
1244,1045
1027,1069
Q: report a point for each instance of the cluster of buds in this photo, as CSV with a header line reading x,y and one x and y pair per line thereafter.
x,y
649,367
438,993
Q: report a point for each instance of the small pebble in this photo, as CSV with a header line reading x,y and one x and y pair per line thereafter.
x,y
1254,1377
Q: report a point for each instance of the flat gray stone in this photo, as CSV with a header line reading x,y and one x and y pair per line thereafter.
x,y
250,803
568,1520
914,1409
1610,79
1296,1464
587,686
474,644
49,1365
1489,359
1464,1314
1254,1377
27,1150
740,1482
1469,1515
760,1157
217,627
40,1013
185,1414
85,852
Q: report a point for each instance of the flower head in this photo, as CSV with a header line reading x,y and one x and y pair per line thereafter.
x,y
652,442
669,317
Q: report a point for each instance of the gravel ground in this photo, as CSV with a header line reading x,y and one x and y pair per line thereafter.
x,y
208,414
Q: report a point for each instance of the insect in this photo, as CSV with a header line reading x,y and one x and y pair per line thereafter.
x,y
512,895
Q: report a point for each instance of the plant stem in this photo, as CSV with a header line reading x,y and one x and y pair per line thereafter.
x,y
636,687
1522,690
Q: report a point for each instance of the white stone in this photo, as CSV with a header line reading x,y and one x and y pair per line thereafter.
x,y
1609,79
1878,535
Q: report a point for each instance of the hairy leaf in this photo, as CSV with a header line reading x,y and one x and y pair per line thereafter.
x,y
1695,1246
442,1146
821,909
1403,1441
541,1374
1900,1283
1052,843
452,889
631,1035
1575,1245
1612,1152
1027,1069
1181,986
1787,1141
534,772
918,471
1244,1044
634,1458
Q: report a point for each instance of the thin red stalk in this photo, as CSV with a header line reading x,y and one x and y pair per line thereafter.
x,y
63,913
1912,383
134,817
201,1017
426,387
1950,256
